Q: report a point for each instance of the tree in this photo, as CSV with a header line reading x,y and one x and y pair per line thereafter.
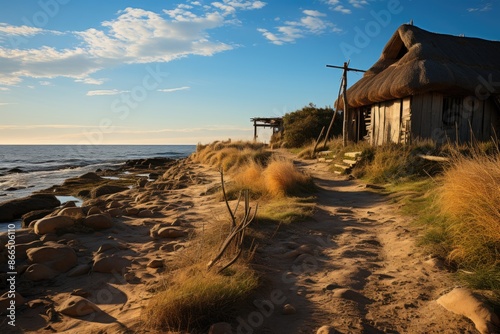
x,y
304,125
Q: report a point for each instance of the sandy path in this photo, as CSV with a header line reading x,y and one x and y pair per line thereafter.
x,y
355,267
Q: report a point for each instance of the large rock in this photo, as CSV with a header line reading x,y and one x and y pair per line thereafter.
x,y
15,208
462,301
110,264
76,306
79,270
98,221
52,224
72,212
56,256
106,190
39,272
34,215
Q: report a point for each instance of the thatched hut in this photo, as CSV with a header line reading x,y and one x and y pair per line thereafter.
x,y
428,85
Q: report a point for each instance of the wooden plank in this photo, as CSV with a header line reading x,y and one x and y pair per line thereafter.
x,y
477,118
433,158
437,113
488,111
426,121
396,121
464,123
352,154
381,136
374,124
416,115
406,119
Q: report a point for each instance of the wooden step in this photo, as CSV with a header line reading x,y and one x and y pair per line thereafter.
x,y
349,162
344,167
323,152
352,154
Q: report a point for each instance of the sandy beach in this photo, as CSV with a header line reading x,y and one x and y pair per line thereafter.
x,y
353,268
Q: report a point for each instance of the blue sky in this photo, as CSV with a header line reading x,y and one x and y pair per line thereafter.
x,y
183,72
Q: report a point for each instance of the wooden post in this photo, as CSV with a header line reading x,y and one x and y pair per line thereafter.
x,y
344,96
254,130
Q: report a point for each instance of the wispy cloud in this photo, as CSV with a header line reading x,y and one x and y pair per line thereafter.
x,y
44,126
342,9
91,81
134,36
485,8
171,90
313,22
358,3
5,104
101,92
4,89
45,83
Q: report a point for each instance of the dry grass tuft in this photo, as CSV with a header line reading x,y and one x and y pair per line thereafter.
x,y
196,298
282,178
470,197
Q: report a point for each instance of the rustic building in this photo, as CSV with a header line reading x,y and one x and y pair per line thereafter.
x,y
428,85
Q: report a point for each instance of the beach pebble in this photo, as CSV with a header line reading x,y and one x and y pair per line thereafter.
x,y
98,222
58,257
68,204
22,248
80,292
76,306
462,301
34,215
79,270
220,328
110,264
106,190
72,212
288,309
170,232
326,330
115,212
145,214
39,272
156,263
94,210
52,224
131,211
114,204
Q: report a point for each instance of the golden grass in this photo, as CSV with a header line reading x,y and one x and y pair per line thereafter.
x,y
196,298
282,178
470,197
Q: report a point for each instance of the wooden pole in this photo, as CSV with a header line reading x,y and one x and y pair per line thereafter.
x,y
317,141
344,96
254,130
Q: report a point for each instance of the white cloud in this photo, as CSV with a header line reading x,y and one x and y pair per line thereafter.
x,y
342,9
91,81
19,30
487,7
45,83
312,23
101,92
171,90
333,2
4,89
358,3
5,104
133,36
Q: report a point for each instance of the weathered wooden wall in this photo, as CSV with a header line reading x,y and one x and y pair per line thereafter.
x,y
424,116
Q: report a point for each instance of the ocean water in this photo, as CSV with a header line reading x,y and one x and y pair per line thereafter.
x,y
41,166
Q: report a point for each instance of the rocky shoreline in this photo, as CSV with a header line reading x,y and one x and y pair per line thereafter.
x,y
68,258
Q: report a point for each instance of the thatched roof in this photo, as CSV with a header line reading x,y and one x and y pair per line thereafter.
x,y
416,61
